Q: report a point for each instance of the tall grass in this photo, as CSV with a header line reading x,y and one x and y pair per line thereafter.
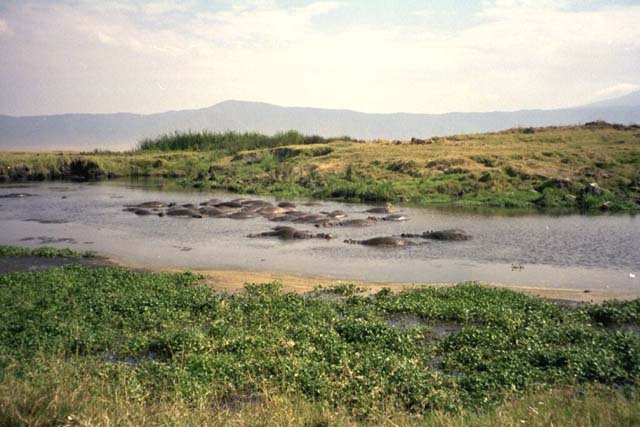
x,y
228,142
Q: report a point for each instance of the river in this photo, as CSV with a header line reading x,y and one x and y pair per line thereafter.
x,y
572,251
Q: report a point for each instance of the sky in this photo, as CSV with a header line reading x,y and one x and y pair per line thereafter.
x,y
428,56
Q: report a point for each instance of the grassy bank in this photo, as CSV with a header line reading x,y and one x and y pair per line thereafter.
x,y
109,346
547,168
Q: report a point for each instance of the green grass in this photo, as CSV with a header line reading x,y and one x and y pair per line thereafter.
x,y
44,251
547,168
135,347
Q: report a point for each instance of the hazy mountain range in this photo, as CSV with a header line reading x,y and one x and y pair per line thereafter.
x,y
124,130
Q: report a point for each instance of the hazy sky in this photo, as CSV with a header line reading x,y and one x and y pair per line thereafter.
x,y
368,55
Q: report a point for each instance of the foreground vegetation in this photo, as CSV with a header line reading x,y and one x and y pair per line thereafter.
x,y
591,167
109,346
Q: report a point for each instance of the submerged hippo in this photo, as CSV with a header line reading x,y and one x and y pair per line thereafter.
x,y
256,203
151,205
290,233
382,241
184,212
211,202
212,211
287,205
229,204
308,218
325,222
359,222
337,214
16,195
141,211
243,215
273,210
395,217
451,235
386,209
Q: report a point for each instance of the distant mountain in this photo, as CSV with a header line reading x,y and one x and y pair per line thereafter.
x,y
123,130
630,100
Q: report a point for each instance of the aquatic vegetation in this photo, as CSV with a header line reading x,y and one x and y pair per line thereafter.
x,y
44,251
172,335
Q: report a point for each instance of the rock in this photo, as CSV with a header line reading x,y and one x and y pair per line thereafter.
x,y
82,169
569,198
605,206
593,189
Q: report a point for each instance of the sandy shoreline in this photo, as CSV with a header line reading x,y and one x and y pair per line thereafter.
x,y
232,280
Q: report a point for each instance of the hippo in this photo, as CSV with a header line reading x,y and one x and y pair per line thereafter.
x,y
359,222
211,202
395,217
272,210
287,205
229,204
312,204
386,209
16,195
256,203
337,214
212,211
325,222
189,206
281,218
151,205
382,241
141,211
308,218
451,235
185,212
290,233
243,215
296,214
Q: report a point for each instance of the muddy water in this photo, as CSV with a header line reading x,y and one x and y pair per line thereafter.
x,y
568,251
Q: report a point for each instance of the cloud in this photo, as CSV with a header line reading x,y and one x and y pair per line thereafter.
x,y
163,7
513,54
5,30
424,12
617,90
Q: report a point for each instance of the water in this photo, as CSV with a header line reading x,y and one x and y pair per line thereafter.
x,y
568,251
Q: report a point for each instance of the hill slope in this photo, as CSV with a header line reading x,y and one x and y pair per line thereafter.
x,y
123,130
587,167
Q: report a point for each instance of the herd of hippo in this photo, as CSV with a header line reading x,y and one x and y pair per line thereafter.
x,y
288,212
